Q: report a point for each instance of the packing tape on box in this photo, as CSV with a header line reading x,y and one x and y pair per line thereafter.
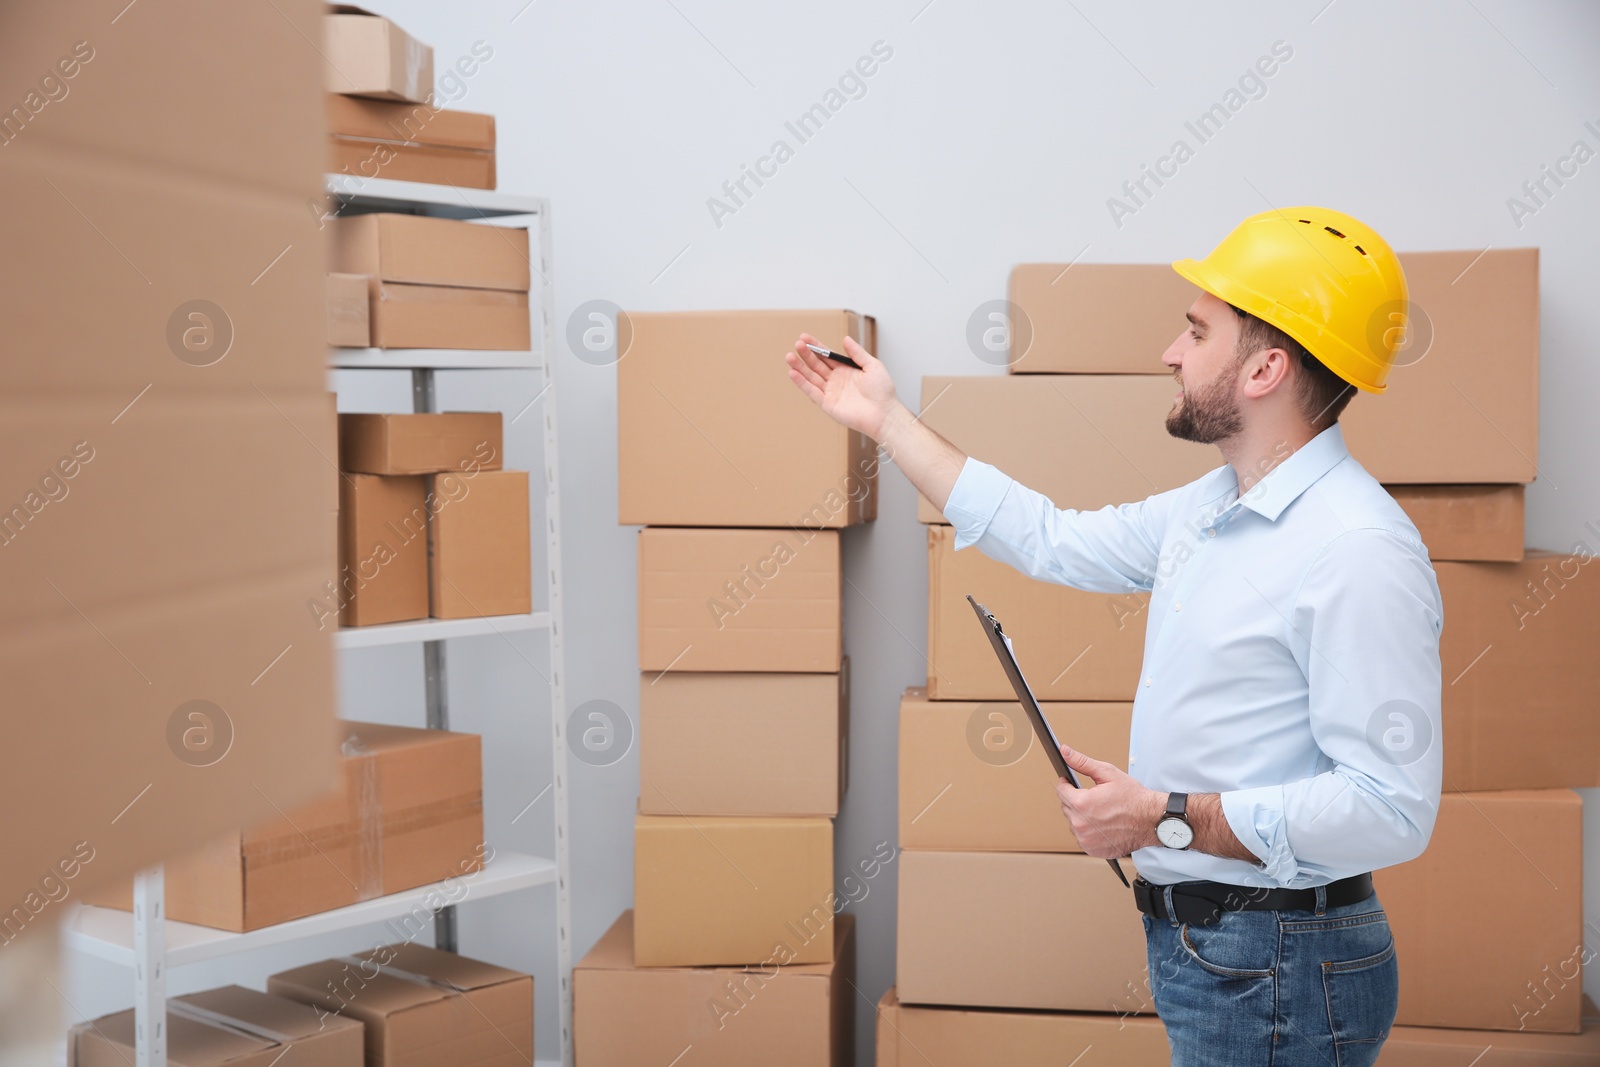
x,y
302,842
400,973
227,1022
367,851
418,56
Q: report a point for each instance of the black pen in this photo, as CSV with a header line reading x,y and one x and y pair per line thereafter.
x,y
836,357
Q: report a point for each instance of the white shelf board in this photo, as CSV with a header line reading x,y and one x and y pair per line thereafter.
x,y
400,633
108,933
449,201
437,358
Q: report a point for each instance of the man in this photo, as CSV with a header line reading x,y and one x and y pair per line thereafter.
x,y
1285,738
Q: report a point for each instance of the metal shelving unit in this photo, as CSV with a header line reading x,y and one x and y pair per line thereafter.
x,y
143,940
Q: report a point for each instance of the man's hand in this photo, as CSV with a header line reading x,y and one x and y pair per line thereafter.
x,y
864,400
860,399
1116,816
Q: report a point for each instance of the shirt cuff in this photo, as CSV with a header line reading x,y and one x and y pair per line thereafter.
x,y
974,499
1256,818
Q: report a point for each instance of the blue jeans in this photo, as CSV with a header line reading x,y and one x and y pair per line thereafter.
x,y
1304,988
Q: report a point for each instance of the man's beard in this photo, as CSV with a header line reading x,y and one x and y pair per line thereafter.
x,y
1208,414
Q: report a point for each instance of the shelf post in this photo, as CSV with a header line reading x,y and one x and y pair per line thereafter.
x,y
423,399
558,692
149,969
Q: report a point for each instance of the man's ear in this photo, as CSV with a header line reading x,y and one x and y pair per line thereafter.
x,y
1267,369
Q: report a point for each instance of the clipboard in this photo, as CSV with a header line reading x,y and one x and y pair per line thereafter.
x,y
1030,704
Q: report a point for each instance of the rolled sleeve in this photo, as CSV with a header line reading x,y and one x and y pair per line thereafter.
x,y
976,497
1256,818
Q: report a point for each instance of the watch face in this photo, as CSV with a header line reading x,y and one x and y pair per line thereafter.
x,y
1174,833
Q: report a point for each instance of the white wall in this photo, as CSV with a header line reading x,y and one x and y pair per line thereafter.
x,y
994,135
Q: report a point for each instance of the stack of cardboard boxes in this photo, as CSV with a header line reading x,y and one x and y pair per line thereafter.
x,y
408,812
1487,923
384,119
734,944
430,283
399,1005
403,281
429,525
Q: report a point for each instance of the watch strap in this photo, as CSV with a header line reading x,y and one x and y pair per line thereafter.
x,y
1178,805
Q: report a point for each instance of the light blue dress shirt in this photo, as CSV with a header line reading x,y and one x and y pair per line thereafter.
x,y
1291,655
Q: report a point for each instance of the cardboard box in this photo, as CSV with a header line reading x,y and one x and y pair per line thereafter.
x,y
367,55
711,432
421,443
349,325
436,316
711,891
358,159
1462,403
773,1013
973,776
970,932
1466,522
231,1026
1507,866
1520,672
479,553
431,251
421,1006
409,812
1085,441
908,1035
165,520
1416,1046
743,743
1072,645
740,600
383,550
1467,408
364,119
1096,318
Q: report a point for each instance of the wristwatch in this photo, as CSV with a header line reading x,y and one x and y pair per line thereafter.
x,y
1173,829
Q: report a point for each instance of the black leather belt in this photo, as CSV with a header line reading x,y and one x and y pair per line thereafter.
x,y
1200,903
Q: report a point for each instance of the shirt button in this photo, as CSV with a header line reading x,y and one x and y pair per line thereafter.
x,y
1176,606
1211,531
1147,683
1132,760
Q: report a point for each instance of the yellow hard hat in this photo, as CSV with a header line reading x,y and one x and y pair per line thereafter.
x,y
1320,276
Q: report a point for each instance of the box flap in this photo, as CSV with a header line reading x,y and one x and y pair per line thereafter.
x,y
379,737
349,981
459,973
190,1042
267,1015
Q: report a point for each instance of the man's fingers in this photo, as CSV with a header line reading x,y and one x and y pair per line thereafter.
x,y
798,363
805,386
856,352
1097,770
815,363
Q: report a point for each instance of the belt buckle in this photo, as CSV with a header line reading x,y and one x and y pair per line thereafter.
x,y
1144,898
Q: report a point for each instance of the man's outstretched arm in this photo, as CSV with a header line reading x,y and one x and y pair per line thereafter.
x,y
1113,550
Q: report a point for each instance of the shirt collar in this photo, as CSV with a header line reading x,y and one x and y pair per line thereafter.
x,y
1283,484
